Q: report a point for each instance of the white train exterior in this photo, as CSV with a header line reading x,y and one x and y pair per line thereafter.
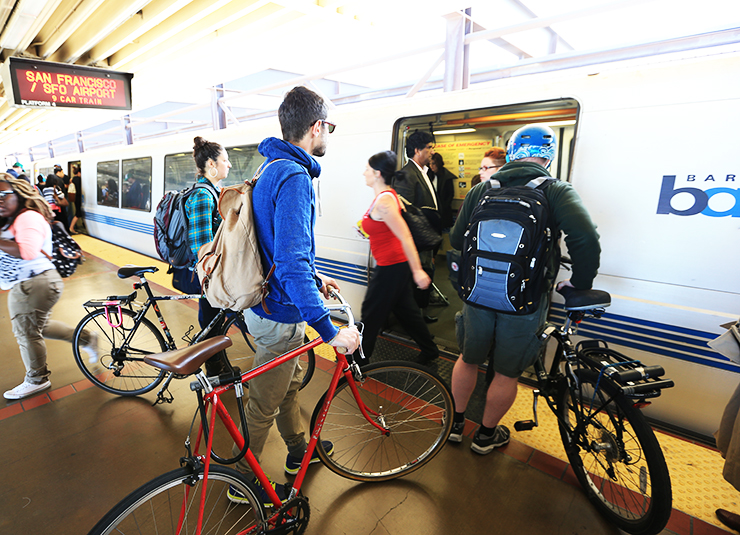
x,y
653,154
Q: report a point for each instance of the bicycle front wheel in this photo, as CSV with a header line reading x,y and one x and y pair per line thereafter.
x,y
170,504
413,403
119,368
615,456
243,348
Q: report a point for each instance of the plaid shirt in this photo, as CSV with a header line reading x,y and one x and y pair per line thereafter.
x,y
203,219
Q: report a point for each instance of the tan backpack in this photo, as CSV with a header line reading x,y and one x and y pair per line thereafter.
x,y
229,267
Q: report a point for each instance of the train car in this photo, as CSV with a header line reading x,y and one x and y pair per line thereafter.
x,y
648,145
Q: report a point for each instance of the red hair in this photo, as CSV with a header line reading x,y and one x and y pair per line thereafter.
x,y
495,153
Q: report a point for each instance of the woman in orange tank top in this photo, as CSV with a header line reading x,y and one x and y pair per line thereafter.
x,y
390,288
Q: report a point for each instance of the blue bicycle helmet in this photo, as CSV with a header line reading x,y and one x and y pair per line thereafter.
x,y
531,141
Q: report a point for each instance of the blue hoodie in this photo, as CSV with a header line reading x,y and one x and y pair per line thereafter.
x,y
285,215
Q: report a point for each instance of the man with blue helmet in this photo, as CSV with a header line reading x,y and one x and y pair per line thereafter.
x,y
510,341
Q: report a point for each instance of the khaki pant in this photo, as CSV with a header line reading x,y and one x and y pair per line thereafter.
x,y
273,396
29,304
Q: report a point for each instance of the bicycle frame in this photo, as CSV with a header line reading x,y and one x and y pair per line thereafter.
x,y
151,302
212,402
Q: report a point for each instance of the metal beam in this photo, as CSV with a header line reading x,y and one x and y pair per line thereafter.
x,y
95,28
152,15
54,39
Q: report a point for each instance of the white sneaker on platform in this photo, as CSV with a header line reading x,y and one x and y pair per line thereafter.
x,y
91,348
26,389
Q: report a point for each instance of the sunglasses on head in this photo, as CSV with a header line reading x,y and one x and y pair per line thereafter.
x,y
329,126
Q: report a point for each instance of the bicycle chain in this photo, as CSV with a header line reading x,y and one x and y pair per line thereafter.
x,y
285,521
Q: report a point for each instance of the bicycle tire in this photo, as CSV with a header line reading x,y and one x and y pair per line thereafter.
x,y
243,349
616,457
114,372
415,404
155,507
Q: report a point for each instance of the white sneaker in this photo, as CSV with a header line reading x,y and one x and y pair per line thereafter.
x,y
26,389
92,348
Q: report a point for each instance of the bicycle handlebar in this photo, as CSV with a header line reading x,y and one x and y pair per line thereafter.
x,y
343,307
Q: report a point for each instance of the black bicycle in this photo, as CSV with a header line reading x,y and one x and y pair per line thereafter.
x,y
596,394
124,336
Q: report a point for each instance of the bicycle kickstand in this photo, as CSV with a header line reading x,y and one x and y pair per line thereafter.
x,y
528,425
164,395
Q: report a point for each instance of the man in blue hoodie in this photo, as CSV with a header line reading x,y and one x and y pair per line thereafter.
x,y
285,214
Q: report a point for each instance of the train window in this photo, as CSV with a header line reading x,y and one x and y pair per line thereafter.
x,y
108,183
463,137
180,170
137,184
245,161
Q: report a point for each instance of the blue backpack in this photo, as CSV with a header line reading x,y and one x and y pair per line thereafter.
x,y
171,225
506,249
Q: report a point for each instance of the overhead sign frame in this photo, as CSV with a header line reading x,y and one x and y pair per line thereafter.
x,y
32,83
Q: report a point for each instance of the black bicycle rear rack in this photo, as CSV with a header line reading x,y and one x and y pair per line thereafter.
x,y
631,377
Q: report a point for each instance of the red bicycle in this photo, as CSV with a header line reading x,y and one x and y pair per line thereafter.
x,y
385,421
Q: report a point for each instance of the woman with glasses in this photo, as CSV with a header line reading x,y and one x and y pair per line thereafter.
x,y
399,268
35,286
493,160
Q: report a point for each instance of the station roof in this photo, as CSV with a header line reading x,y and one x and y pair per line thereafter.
x,y
179,50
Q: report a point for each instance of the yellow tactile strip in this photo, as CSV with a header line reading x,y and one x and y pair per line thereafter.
x,y
696,471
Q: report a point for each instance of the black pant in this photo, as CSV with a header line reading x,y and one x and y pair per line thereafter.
x,y
391,289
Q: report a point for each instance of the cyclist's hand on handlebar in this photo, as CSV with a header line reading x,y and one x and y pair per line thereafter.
x,y
327,285
347,340
422,279
564,284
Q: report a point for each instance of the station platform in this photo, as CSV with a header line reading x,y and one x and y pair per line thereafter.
x,y
74,451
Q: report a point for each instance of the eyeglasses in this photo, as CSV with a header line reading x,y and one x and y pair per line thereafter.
x,y
329,126
5,193
487,167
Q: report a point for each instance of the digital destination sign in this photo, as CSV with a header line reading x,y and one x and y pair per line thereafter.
x,y
33,83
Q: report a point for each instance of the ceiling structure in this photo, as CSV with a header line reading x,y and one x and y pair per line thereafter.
x,y
180,50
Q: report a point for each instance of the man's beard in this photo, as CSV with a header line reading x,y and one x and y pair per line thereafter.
x,y
320,150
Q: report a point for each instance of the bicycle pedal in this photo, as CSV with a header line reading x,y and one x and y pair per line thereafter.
x,y
525,425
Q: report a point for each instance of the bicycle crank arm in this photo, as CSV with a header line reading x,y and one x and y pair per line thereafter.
x,y
528,425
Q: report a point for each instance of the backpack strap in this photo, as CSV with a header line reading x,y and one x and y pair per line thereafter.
x,y
540,182
209,187
398,200
261,169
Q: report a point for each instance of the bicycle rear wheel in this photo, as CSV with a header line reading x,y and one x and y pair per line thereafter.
x,y
157,506
412,402
119,368
241,353
615,456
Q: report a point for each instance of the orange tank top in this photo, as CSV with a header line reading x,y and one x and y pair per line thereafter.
x,y
386,248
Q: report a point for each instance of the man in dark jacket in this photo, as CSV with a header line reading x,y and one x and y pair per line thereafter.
x,y
414,186
284,216
511,341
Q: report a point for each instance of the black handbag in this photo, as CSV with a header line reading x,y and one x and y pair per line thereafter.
x,y
424,234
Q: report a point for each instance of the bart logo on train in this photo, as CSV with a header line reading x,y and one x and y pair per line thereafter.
x,y
727,202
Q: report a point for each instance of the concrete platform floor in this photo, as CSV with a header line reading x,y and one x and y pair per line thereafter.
x,y
73,452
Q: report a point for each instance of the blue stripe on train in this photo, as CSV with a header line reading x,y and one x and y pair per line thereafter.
x,y
690,345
